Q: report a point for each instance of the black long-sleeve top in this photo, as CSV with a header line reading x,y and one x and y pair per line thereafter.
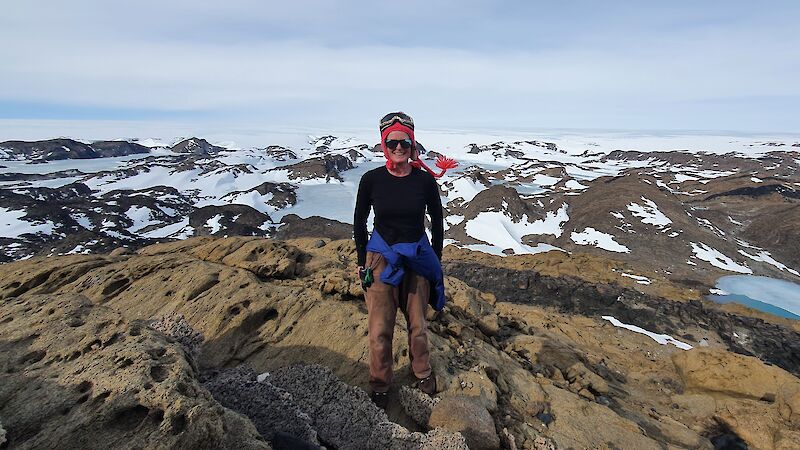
x,y
399,204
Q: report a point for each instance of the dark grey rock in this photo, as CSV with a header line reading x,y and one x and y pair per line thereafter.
x,y
234,220
196,146
314,226
270,408
345,417
327,167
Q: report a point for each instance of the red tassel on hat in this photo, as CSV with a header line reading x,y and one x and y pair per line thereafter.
x,y
442,161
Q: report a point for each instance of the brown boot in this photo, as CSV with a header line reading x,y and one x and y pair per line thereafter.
x,y
427,384
381,399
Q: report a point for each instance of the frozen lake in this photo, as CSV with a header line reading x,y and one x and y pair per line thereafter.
x,y
771,295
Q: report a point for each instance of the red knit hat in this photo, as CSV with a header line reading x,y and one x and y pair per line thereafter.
x,y
399,121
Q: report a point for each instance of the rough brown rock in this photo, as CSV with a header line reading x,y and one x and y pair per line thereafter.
x,y
582,424
77,375
789,402
752,421
466,416
176,327
271,304
724,372
585,377
475,384
417,404
489,324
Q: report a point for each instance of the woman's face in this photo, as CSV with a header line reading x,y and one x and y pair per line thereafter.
x,y
398,154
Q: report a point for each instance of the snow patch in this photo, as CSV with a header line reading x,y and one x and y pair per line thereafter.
x,y
764,256
639,279
649,213
141,216
82,220
213,224
590,236
12,225
572,184
662,339
465,189
499,230
717,259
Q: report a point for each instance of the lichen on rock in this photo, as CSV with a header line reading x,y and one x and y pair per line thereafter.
x,y
176,327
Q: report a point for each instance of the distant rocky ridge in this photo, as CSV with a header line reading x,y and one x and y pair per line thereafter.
x,y
63,148
55,149
81,355
686,217
196,146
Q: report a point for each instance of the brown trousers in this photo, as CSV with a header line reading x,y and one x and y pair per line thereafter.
x,y
411,296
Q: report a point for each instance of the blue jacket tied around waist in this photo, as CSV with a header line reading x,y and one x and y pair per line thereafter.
x,y
417,256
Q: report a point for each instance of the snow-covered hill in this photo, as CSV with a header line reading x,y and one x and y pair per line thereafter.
x,y
688,208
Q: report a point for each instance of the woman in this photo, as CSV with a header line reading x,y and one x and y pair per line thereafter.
x,y
397,265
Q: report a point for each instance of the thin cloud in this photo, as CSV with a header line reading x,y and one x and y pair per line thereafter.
x,y
141,61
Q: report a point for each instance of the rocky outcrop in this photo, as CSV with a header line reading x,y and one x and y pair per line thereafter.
x,y
346,418
468,418
325,167
707,370
239,220
78,375
76,221
196,146
545,376
107,149
271,408
630,306
57,149
16,176
279,153
295,227
49,150
281,195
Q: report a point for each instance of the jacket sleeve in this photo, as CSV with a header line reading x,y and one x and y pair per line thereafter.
x,y
360,216
434,205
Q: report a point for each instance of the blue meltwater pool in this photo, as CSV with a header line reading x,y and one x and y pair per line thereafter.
x,y
771,295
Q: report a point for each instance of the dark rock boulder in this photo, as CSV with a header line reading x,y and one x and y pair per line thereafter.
x,y
229,220
196,146
327,167
49,150
105,149
271,409
279,153
283,194
294,227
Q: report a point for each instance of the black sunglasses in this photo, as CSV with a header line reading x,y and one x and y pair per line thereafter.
x,y
392,143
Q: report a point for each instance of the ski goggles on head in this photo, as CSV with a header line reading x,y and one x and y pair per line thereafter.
x,y
392,118
404,143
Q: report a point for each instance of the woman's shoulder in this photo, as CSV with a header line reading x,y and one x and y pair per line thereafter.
x,y
374,173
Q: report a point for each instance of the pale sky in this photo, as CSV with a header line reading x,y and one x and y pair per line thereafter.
x,y
681,65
